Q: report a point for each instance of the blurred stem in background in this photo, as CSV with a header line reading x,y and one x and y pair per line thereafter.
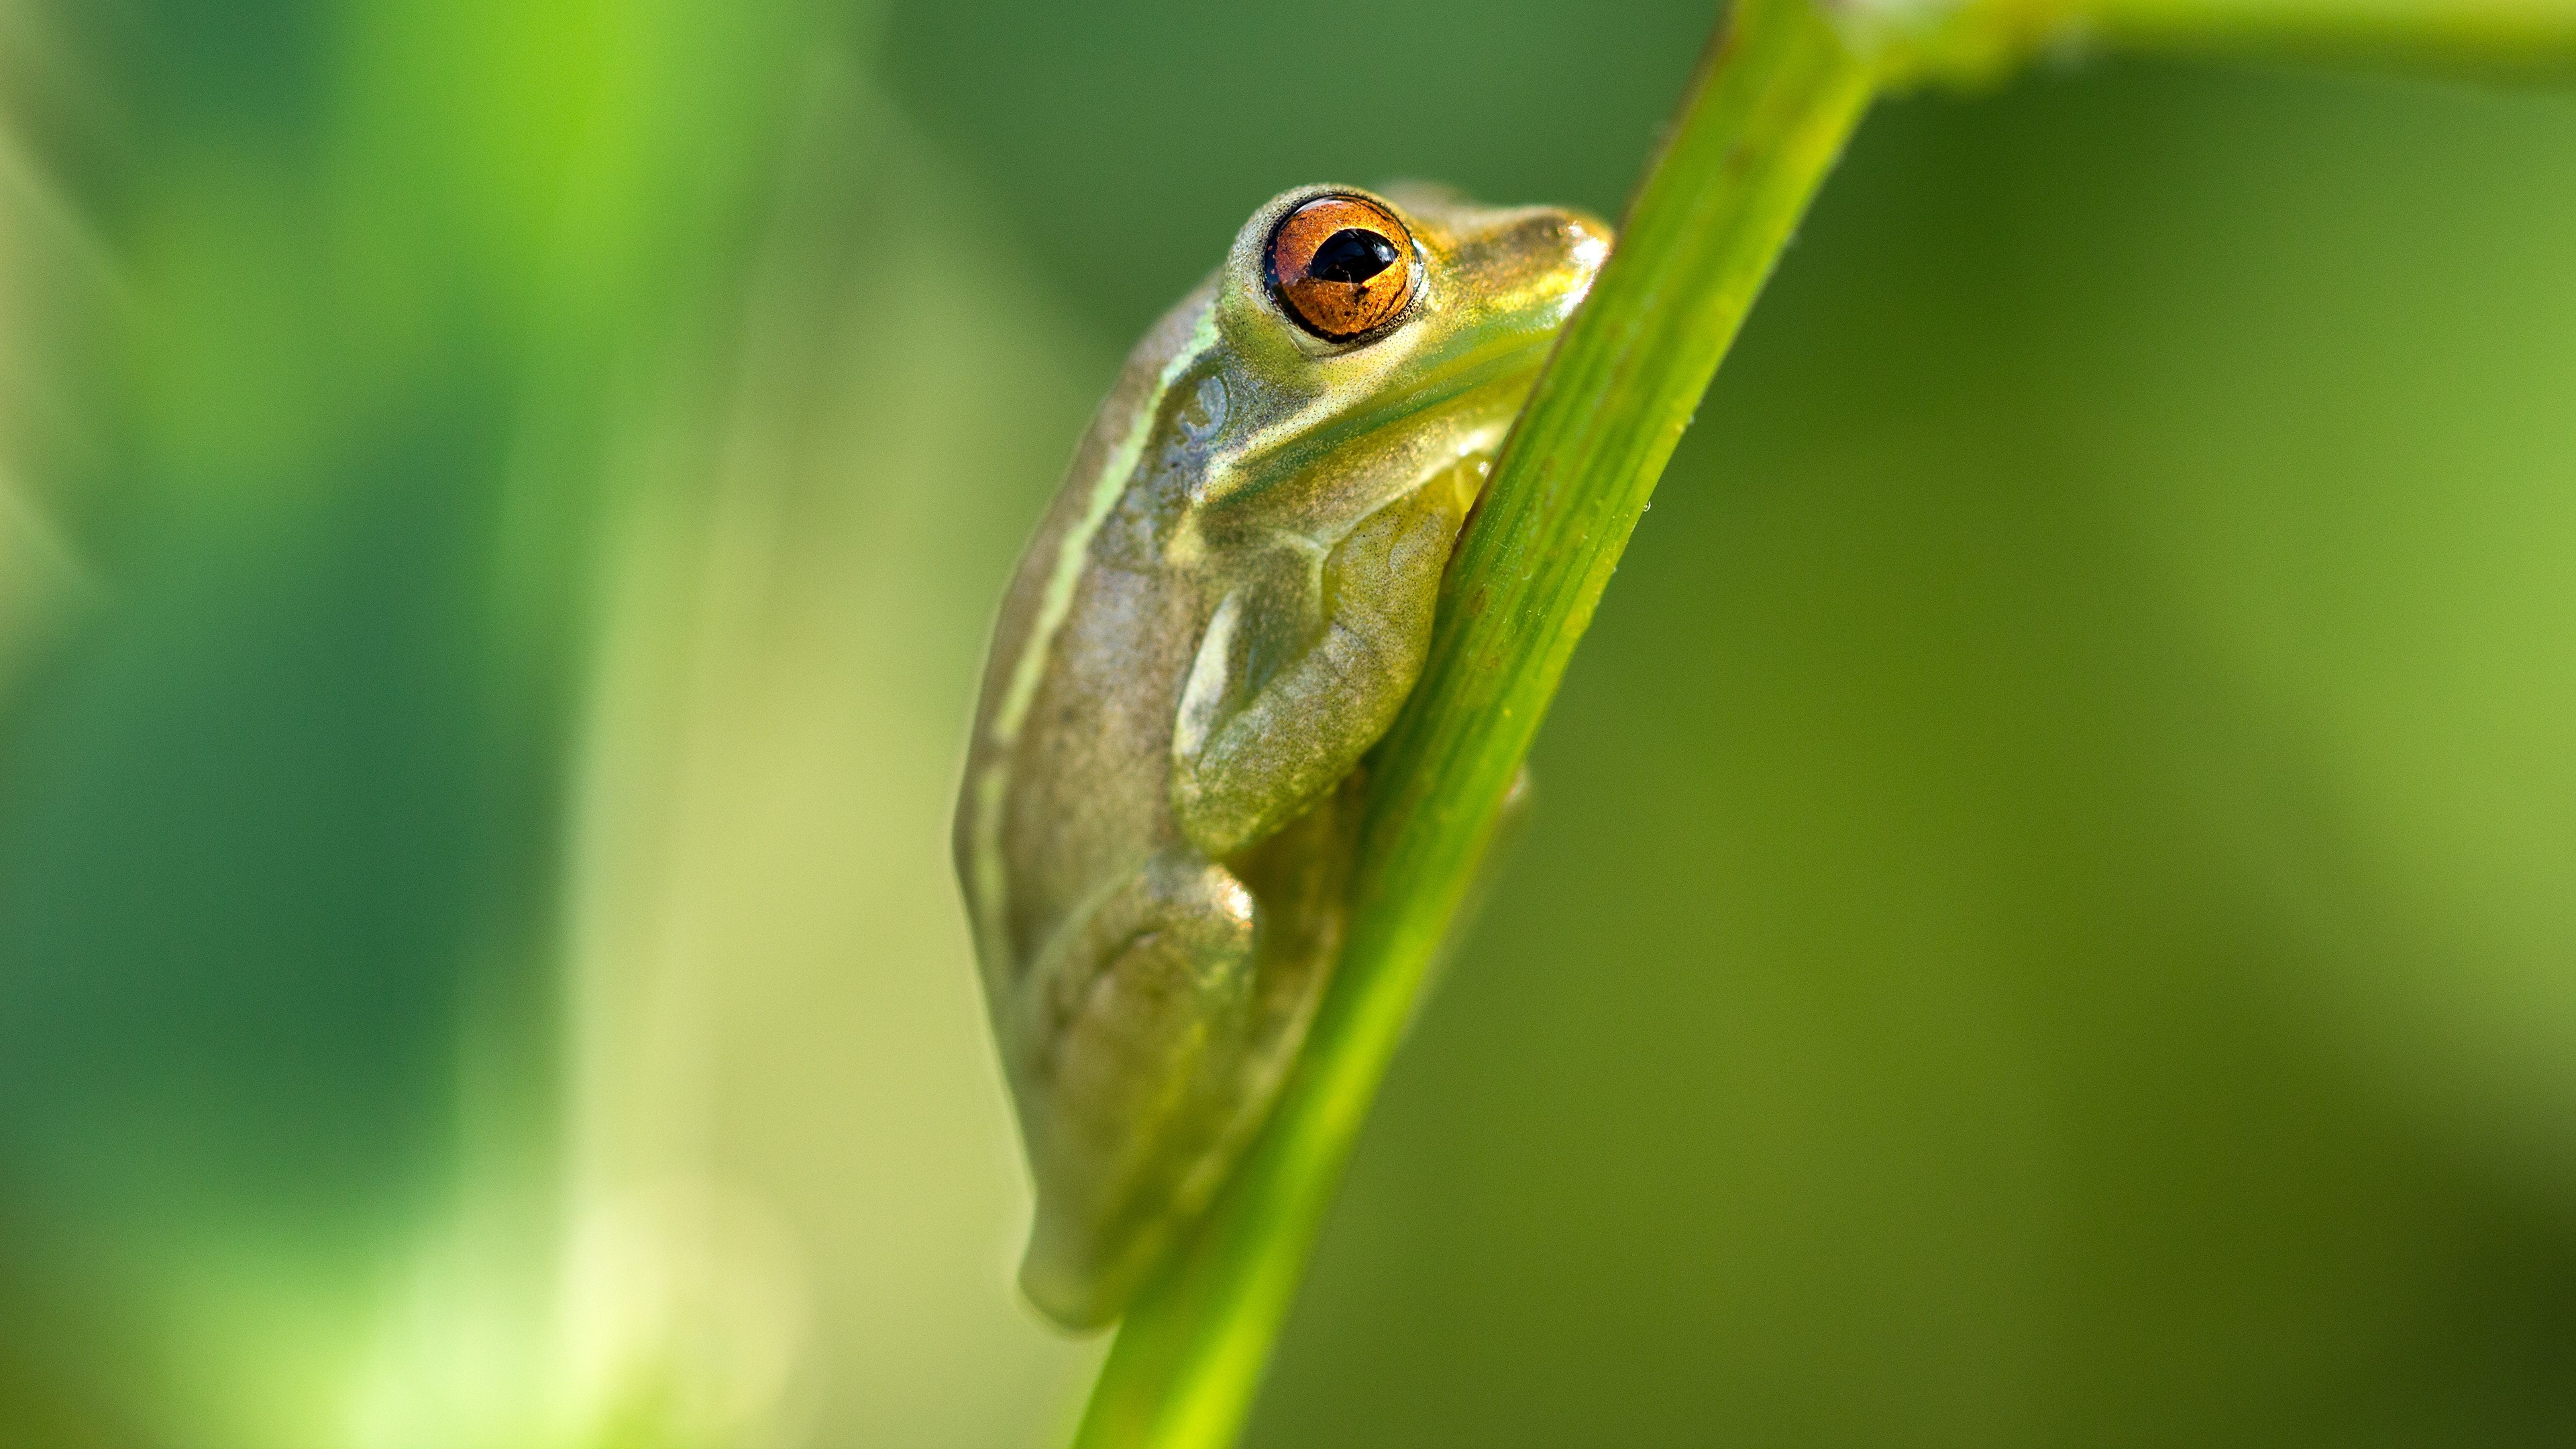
x,y
1777,97
1977,40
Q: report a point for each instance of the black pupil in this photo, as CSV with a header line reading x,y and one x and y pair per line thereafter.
x,y
1351,255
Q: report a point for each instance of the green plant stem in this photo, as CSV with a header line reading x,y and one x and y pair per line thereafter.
x,y
1983,39
1766,116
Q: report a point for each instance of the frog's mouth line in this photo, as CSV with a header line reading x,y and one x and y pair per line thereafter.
x,y
1513,361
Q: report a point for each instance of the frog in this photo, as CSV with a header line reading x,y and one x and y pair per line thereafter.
x,y
1223,610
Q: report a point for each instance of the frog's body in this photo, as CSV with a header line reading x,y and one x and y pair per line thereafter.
x,y
1224,608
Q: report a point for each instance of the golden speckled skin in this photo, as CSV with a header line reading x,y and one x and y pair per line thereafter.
x,y
1221,612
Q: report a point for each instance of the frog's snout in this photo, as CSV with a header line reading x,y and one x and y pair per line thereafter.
x,y
1531,265
1582,238
1582,246
1582,243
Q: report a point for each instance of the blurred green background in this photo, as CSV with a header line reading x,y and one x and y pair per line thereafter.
x,y
2051,913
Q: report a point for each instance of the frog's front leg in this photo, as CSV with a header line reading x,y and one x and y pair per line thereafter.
x,y
1240,773
1140,1011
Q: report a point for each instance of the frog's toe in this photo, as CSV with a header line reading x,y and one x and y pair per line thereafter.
x,y
1068,1277
1083,1272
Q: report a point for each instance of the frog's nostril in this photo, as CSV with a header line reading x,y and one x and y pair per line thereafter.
x,y
1351,255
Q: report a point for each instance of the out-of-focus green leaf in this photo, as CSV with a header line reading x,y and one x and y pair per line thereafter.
x,y
390,289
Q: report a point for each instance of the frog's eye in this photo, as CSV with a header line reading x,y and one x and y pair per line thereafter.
x,y
1343,267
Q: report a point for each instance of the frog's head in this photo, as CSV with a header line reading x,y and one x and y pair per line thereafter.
x,y
1358,338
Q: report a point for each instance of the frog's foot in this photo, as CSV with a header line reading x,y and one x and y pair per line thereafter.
x,y
1139,1073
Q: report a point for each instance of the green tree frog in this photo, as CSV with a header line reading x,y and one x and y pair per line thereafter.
x,y
1224,608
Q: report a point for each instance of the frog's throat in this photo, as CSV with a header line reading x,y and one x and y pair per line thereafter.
x,y
1055,602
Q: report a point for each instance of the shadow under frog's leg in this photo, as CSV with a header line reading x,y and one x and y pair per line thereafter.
x,y
1241,774
1145,1002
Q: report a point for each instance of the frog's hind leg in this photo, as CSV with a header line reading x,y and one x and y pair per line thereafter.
x,y
1131,1082
1178,1005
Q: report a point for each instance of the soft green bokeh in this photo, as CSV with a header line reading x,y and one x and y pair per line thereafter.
x,y
2051,911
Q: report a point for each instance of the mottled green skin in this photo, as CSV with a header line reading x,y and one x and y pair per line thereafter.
x,y
1224,608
